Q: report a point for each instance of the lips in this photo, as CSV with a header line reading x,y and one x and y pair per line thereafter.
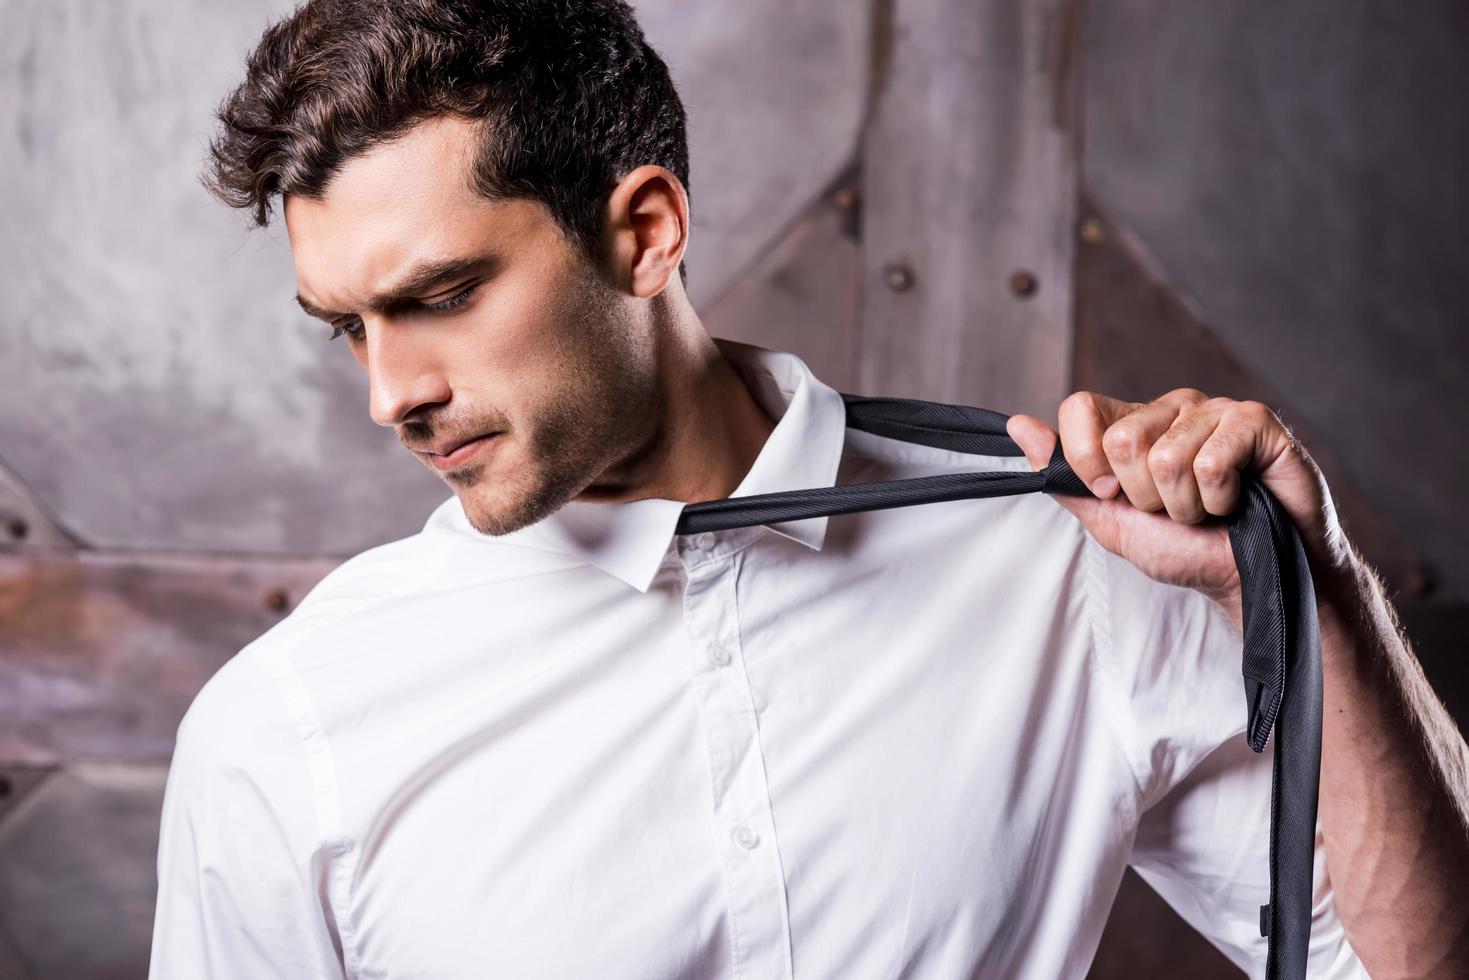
x,y
461,452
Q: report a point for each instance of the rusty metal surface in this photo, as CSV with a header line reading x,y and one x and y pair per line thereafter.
x,y
157,390
16,781
1298,171
774,96
25,520
100,654
969,175
1137,338
1146,938
78,878
802,296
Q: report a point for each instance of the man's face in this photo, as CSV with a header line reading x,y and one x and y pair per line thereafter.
x,y
533,343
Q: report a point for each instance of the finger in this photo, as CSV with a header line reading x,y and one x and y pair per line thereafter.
x,y
1082,418
1171,460
1128,441
1241,441
1038,441
1034,437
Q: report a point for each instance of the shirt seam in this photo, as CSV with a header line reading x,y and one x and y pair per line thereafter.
x,y
1096,579
321,766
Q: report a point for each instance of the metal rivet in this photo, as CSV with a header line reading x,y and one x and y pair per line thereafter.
x,y
1023,283
1092,231
846,198
899,276
18,528
276,599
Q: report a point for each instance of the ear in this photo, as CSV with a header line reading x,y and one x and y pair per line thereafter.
x,y
646,229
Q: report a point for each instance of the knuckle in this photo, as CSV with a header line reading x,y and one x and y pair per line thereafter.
x,y
1078,402
1210,469
1166,460
1256,411
1187,422
1191,395
1123,441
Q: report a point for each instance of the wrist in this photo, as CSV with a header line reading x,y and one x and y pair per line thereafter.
x,y
1342,595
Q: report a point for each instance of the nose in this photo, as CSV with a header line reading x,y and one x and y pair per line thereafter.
x,y
402,374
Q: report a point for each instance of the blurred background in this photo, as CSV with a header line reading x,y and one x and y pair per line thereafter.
x,y
976,201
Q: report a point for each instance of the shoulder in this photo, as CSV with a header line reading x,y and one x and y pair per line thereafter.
x,y
254,707
252,713
381,572
371,603
238,724
447,554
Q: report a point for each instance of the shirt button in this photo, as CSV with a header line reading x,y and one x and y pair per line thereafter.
x,y
719,653
704,541
745,837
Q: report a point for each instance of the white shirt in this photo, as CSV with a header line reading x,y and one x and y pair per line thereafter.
x,y
920,742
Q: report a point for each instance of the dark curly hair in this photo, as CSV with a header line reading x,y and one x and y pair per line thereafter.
x,y
569,95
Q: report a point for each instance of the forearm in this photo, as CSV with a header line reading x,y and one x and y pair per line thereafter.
x,y
1394,801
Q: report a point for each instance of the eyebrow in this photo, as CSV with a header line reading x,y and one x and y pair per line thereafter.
x,y
421,277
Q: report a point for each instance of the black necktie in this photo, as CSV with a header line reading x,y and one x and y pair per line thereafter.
x,y
1282,643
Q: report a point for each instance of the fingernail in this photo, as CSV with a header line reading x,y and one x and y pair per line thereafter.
x,y
1104,486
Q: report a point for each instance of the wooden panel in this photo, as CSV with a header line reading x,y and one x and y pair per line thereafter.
x,y
969,201
101,653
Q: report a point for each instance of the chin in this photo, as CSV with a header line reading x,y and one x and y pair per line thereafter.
x,y
485,516
494,509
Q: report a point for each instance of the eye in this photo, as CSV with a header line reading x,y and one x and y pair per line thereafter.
x,y
453,301
352,328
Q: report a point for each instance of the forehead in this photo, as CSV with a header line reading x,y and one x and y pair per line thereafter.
x,y
399,203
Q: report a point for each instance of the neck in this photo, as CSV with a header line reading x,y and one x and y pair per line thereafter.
x,y
710,428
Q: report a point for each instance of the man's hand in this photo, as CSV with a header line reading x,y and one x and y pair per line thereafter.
x,y
1394,770
1177,461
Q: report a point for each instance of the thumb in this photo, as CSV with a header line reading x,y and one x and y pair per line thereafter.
x,y
1034,437
1038,440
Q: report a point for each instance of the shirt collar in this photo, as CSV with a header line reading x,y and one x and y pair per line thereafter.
x,y
630,540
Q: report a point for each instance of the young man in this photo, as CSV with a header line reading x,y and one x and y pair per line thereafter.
x,y
547,736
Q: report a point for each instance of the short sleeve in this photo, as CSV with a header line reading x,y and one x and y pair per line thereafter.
x,y
241,881
1203,836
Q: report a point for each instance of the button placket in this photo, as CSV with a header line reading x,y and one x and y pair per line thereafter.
x,y
749,859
